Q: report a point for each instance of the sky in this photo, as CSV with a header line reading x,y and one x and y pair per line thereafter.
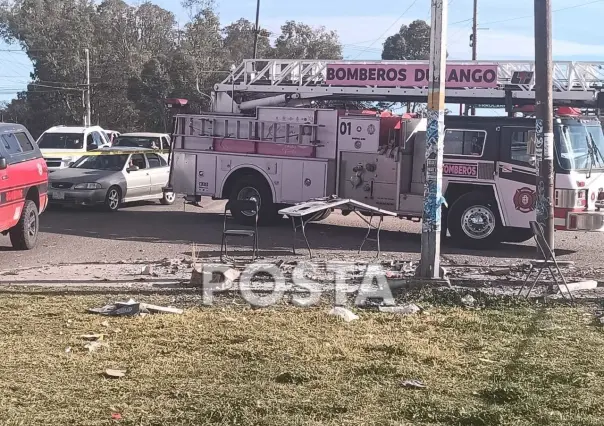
x,y
505,28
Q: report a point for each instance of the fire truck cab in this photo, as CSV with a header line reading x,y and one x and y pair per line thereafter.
x,y
282,155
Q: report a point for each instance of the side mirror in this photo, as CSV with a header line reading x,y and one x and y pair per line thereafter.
x,y
132,169
3,164
71,163
92,147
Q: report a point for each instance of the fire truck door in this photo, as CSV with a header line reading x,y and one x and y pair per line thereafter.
x,y
516,176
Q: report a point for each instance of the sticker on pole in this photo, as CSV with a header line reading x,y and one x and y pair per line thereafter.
x,y
401,75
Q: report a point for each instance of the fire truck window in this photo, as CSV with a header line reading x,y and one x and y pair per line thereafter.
x,y
464,142
24,142
519,145
11,144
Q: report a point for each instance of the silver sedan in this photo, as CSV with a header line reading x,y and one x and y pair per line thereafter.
x,y
110,177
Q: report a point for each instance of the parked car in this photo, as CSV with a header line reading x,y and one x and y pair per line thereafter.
x,y
110,177
158,141
62,145
23,186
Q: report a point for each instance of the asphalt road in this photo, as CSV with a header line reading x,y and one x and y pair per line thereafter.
x,y
151,232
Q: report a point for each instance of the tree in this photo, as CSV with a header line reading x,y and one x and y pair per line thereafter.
x,y
239,41
412,42
301,41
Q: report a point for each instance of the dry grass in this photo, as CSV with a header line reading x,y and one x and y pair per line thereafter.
x,y
233,365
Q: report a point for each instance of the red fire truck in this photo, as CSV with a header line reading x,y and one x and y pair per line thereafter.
x,y
267,140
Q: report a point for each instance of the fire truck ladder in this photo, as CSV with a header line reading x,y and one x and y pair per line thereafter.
x,y
278,81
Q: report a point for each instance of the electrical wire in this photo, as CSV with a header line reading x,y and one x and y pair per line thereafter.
x,y
390,27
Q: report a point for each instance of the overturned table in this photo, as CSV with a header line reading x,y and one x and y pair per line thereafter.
x,y
314,209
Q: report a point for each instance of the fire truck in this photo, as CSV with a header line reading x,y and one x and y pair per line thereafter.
x,y
266,139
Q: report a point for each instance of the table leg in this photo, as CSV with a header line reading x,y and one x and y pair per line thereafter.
x,y
295,235
304,234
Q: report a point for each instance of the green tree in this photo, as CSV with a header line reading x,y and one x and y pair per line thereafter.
x,y
301,41
239,41
411,42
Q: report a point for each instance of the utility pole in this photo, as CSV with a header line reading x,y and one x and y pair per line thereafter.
x,y
257,29
544,108
474,41
88,108
435,132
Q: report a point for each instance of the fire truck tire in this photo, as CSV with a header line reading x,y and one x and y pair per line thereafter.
x,y
473,221
24,234
253,187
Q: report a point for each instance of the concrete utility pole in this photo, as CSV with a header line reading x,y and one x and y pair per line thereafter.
x,y
88,108
433,199
544,108
257,29
474,41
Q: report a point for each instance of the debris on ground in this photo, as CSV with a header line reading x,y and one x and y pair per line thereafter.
x,y
409,309
345,314
114,374
92,336
468,300
105,323
148,270
222,277
413,384
133,308
500,272
94,346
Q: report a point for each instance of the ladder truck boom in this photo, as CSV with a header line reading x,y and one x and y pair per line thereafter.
x,y
507,83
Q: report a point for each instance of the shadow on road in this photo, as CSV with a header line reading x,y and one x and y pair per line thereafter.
x,y
179,227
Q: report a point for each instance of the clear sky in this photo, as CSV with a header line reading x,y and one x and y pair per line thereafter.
x,y
505,34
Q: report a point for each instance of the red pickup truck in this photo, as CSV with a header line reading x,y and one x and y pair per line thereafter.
x,y
23,186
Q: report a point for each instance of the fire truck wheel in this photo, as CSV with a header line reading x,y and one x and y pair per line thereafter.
x,y
25,233
251,187
473,221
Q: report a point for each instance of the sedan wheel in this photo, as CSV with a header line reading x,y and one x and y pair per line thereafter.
x,y
113,199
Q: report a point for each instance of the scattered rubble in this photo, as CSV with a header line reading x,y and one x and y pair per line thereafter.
x,y
133,308
114,374
343,313
413,384
468,300
94,346
409,309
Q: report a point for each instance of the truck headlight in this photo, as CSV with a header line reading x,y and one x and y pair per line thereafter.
x,y
87,186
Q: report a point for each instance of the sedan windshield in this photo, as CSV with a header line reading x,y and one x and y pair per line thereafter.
x,y
102,162
138,142
61,141
580,146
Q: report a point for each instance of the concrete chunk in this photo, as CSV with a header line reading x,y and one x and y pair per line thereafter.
x,y
409,309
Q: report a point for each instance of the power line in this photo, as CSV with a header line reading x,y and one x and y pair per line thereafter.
x,y
531,16
390,27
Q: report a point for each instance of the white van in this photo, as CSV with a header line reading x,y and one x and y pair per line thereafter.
x,y
62,145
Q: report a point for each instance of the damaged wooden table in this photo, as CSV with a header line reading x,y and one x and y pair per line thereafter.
x,y
313,209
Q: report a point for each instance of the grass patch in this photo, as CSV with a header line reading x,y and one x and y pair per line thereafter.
x,y
232,365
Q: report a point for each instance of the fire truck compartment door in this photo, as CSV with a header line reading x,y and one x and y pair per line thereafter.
x,y
302,180
184,172
206,175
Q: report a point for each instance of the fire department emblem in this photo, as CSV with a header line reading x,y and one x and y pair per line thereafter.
x,y
359,129
525,200
371,129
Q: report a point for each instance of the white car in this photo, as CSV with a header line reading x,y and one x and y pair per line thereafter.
x,y
157,141
111,176
62,145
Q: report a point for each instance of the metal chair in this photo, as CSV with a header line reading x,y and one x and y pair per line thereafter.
x,y
250,207
548,261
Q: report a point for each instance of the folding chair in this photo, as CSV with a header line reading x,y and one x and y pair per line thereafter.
x,y
251,208
548,261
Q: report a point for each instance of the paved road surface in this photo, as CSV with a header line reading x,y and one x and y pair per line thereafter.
x,y
153,232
